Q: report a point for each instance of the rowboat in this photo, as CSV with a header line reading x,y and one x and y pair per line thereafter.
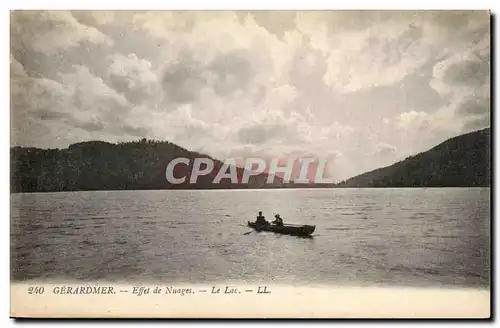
x,y
287,229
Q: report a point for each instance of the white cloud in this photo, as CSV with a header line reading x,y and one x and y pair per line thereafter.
x,y
453,87
462,77
385,148
16,69
91,94
51,31
37,94
370,49
408,120
373,58
135,78
350,85
103,17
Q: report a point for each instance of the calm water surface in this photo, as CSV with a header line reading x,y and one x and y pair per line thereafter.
x,y
404,237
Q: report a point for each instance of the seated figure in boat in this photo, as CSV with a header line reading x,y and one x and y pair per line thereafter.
x,y
278,221
261,220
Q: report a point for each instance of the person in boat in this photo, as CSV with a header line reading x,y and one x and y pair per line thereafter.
x,y
261,220
278,220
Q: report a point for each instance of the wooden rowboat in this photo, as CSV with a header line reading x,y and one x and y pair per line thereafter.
x,y
287,229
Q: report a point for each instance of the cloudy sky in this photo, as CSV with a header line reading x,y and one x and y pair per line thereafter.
x,y
364,89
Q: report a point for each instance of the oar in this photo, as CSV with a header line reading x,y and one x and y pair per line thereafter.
x,y
257,230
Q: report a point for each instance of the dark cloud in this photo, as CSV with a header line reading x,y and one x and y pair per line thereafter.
x,y
34,94
477,109
232,71
116,127
33,62
42,114
195,133
90,126
456,19
393,50
82,101
307,69
134,131
260,134
32,20
477,123
413,92
183,80
364,19
121,84
468,73
60,117
276,22
49,115
51,31
27,131
133,40
94,56
474,106
86,54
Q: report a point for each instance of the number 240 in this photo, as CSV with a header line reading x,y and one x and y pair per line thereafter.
x,y
36,290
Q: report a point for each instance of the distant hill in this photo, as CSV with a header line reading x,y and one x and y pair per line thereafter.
x,y
463,161
98,165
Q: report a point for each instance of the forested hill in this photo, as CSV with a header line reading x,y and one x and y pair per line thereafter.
x,y
463,161
98,165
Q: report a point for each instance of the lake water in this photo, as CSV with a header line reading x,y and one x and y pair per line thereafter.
x,y
402,237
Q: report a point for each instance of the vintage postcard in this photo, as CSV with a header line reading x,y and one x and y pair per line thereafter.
x,y
250,164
